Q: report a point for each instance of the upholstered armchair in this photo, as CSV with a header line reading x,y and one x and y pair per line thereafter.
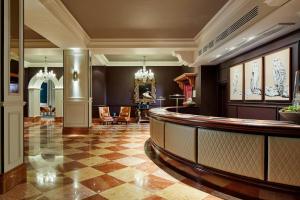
x,y
104,115
124,115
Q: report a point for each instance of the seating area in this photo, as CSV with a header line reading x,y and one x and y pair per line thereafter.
x,y
106,118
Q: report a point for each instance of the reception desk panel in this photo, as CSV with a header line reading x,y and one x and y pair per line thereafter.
x,y
248,153
157,132
181,140
236,153
284,160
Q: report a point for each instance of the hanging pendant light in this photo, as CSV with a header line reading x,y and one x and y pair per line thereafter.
x,y
45,75
144,74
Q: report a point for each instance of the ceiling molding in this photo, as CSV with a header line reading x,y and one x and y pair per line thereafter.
x,y
57,8
43,19
105,62
143,43
102,59
148,64
29,64
227,10
38,43
185,57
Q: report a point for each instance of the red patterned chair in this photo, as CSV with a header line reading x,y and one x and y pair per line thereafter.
x,y
104,115
124,115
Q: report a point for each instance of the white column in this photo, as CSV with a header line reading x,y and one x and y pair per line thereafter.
x,y
34,102
59,95
76,88
12,166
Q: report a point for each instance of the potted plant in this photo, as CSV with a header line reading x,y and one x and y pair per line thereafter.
x,y
291,113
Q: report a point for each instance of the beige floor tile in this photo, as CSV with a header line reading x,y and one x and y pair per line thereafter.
x,y
182,192
71,191
93,161
83,174
125,191
162,174
99,152
132,145
130,161
71,151
131,152
103,145
128,174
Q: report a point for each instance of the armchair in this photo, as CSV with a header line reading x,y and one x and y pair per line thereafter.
x,y
124,115
104,115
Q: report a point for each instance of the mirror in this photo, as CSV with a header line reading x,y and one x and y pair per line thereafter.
x,y
144,92
14,46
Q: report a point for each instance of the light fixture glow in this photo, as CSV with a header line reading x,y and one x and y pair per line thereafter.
x,y
143,74
45,75
75,75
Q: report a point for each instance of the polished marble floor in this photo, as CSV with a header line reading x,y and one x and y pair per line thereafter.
x,y
107,162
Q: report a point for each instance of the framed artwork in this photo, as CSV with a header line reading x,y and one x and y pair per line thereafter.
x,y
254,79
277,76
236,82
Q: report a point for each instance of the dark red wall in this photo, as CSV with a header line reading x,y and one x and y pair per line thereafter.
x,y
99,85
114,86
262,109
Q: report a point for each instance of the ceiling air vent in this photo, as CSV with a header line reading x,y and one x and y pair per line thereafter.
x,y
260,36
239,23
200,52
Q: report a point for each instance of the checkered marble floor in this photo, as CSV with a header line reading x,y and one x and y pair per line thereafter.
x,y
108,162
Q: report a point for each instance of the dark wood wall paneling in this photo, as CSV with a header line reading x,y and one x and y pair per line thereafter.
x,y
114,86
29,73
262,109
206,89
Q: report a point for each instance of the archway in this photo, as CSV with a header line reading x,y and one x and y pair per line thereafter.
x,y
34,92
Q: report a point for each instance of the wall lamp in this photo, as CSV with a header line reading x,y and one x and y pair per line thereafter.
x,y
75,75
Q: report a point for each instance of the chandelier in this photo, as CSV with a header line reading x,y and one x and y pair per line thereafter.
x,y
45,75
144,74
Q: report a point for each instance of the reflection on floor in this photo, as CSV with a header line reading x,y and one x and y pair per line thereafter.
x,y
108,162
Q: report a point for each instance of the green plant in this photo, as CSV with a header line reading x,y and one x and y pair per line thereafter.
x,y
291,109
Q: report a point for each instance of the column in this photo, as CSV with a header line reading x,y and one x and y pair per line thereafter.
x,y
59,95
77,101
34,103
12,166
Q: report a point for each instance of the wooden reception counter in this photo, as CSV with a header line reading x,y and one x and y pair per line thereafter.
x,y
254,154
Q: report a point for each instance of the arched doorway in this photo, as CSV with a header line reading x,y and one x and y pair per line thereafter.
x,y
53,99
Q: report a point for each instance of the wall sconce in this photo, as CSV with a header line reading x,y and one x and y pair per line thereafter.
x,y
75,76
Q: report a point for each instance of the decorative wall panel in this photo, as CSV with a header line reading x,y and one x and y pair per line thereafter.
x,y
284,160
232,152
181,140
157,132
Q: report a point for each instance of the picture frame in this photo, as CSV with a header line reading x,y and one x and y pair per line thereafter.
x,y
141,87
236,77
277,76
254,80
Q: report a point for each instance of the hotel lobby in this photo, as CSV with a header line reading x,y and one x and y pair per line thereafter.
x,y
150,100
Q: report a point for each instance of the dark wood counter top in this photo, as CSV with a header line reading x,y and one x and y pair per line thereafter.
x,y
261,127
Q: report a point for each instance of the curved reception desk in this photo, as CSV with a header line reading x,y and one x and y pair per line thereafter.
x,y
250,154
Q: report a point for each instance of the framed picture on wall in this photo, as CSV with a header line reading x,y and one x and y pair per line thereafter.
x,y
254,79
236,82
277,76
